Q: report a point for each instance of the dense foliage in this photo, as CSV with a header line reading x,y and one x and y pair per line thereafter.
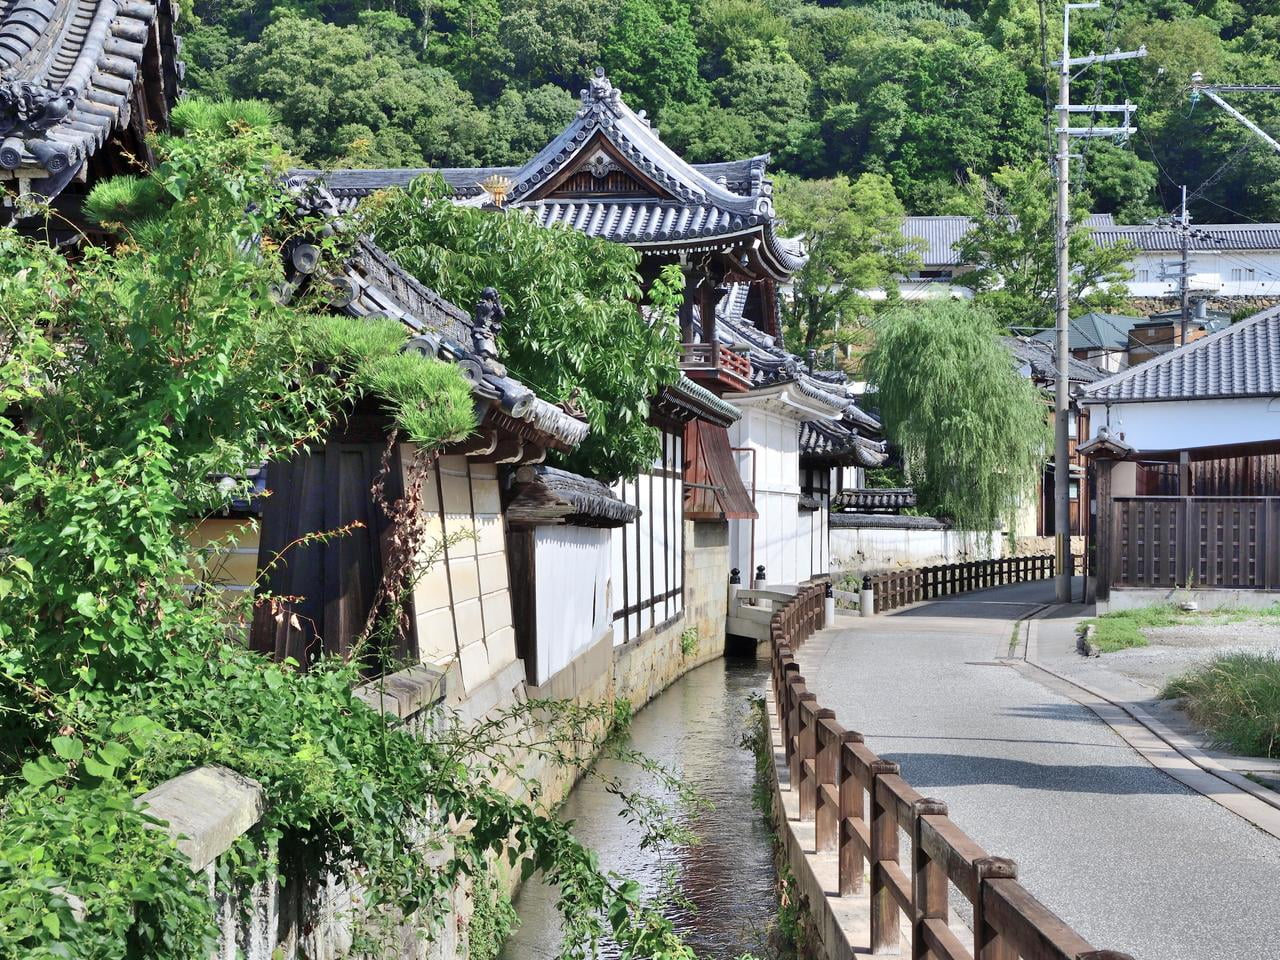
x,y
1014,251
854,236
973,431
132,375
919,91
575,331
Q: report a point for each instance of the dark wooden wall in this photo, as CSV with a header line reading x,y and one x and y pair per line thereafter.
x,y
329,582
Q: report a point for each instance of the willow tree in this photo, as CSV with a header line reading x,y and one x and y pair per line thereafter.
x,y
973,432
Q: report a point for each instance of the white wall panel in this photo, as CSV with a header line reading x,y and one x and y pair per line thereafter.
x,y
574,565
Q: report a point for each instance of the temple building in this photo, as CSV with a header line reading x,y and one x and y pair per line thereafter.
x,y
799,437
81,84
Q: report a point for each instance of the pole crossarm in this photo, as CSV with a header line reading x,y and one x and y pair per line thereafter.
x,y
1211,93
1092,58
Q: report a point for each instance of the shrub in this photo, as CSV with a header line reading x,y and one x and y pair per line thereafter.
x,y
1237,698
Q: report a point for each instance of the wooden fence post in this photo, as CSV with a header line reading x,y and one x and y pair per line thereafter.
x,y
811,716
852,811
827,810
987,942
928,880
884,849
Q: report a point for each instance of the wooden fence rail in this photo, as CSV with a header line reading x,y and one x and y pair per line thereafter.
x,y
898,588
861,806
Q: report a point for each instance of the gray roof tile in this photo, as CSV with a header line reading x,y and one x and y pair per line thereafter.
x,y
1240,361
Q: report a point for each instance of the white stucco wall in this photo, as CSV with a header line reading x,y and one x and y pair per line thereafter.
x,y
867,549
780,543
1187,424
573,603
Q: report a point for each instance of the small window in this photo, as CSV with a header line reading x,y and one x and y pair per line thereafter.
x,y
1072,428
1144,276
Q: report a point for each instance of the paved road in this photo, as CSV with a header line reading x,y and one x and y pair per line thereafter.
x,y
1128,856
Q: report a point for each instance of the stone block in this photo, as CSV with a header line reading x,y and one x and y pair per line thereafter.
x,y
436,641
493,572
501,644
206,809
490,538
468,618
497,611
474,660
464,578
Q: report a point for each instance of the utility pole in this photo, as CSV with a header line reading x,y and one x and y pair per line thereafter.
x,y
1184,265
1062,393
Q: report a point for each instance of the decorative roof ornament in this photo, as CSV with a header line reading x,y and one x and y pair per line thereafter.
x,y
30,107
485,328
601,165
497,187
600,91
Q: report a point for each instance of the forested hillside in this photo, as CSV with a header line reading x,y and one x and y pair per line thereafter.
x,y
919,91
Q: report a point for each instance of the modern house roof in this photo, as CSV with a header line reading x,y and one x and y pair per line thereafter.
x,y
641,192
1093,331
1240,361
1039,362
69,70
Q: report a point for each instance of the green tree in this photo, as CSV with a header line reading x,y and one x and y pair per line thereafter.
x,y
553,41
972,431
1014,253
853,230
651,54
575,331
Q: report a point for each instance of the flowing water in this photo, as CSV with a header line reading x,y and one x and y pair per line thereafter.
x,y
693,728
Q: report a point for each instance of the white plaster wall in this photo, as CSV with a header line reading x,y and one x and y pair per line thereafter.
x,y
573,601
859,549
463,602
1187,424
1251,273
781,544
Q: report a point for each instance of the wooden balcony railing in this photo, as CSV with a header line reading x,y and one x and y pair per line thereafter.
x,y
861,806
716,363
1231,542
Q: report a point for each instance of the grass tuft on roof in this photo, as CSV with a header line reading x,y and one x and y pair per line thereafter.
x,y
429,399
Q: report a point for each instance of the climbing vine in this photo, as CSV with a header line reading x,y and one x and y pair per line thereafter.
x,y
132,374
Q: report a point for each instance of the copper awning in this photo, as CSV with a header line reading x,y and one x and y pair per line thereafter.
x,y
713,490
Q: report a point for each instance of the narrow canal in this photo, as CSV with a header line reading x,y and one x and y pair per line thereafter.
x,y
694,728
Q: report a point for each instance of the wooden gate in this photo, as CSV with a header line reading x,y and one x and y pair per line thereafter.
x,y
1166,542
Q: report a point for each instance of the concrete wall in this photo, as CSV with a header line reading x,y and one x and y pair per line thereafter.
x,y
855,549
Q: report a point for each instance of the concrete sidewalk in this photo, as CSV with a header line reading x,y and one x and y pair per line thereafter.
x,y
1130,857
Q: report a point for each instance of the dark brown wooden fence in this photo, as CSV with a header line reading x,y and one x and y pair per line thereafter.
x,y
901,587
861,806
1195,542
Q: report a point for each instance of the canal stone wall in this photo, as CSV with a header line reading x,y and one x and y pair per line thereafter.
x,y
210,808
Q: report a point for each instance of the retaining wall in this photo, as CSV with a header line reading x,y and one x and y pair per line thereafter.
x,y
209,808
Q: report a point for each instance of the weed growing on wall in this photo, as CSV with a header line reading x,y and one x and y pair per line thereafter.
x,y
689,642
132,375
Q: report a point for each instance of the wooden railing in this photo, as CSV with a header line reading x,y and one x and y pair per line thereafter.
x,y
1166,542
719,361
861,806
898,588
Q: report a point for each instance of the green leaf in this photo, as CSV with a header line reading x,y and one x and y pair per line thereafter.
x,y
42,771
68,748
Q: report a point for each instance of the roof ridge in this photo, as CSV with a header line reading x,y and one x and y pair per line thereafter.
x,y
1178,353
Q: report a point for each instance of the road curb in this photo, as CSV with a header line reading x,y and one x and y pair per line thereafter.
x,y
1164,749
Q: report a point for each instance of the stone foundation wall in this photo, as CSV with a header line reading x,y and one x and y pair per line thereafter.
x,y
212,806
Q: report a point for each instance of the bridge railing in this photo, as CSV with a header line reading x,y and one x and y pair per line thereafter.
x,y
897,588
861,806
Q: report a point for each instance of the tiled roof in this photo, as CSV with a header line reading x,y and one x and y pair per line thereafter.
x,y
68,69
640,222
743,177
1040,361
547,495
941,234
693,202
1203,236
855,436
1093,331
1241,361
